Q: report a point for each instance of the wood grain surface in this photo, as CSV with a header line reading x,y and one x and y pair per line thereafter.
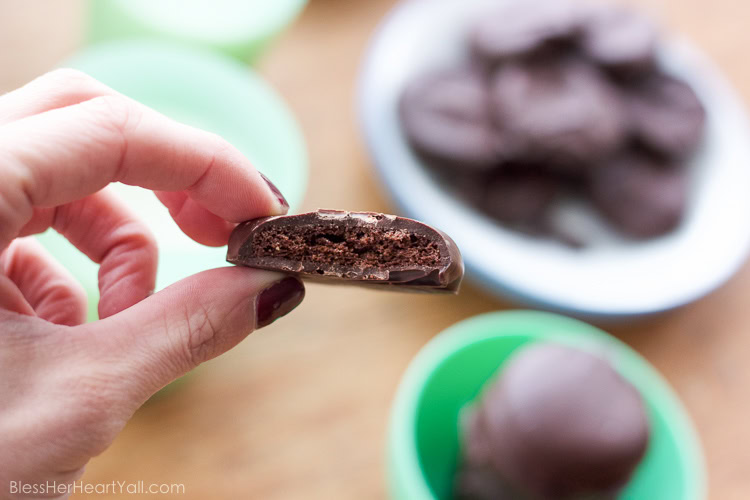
x,y
299,409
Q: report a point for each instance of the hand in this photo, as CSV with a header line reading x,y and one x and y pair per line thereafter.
x,y
67,388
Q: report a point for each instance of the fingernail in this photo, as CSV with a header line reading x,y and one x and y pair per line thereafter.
x,y
278,300
275,191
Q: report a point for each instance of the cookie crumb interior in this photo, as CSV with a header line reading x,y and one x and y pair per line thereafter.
x,y
365,247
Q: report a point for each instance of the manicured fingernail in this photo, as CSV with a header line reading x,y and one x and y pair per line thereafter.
x,y
278,300
275,191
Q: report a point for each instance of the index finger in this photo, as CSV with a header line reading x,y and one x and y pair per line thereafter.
x,y
62,155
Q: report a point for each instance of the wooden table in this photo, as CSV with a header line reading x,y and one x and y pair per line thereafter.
x,y
299,410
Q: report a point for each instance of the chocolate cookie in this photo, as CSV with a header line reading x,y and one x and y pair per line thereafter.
x,y
520,198
562,113
642,196
560,88
558,423
620,39
478,478
524,27
364,248
666,115
446,117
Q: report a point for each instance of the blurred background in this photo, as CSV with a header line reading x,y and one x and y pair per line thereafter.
x,y
299,410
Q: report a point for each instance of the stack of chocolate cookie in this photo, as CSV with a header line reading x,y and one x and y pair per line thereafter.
x,y
559,98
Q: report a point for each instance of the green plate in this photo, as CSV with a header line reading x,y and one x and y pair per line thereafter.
x,y
207,91
452,369
241,28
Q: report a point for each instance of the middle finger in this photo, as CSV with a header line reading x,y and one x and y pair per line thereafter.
x,y
105,230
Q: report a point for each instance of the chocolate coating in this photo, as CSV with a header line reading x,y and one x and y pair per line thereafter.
x,y
642,196
666,115
561,113
364,248
620,39
446,117
559,423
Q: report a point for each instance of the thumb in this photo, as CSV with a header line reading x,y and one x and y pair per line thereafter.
x,y
170,333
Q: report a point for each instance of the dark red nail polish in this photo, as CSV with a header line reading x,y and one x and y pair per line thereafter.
x,y
278,300
275,191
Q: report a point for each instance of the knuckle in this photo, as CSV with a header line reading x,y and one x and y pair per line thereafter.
x,y
16,203
115,111
137,236
25,337
70,301
66,78
76,291
220,145
201,336
64,290
120,116
218,140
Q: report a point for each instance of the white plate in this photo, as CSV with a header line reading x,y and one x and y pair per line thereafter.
x,y
613,277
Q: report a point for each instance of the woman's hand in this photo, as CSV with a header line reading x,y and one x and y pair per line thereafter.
x,y
67,388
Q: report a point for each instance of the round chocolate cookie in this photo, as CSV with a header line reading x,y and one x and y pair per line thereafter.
x,y
561,113
558,423
620,39
666,115
446,117
524,27
641,196
478,479
520,198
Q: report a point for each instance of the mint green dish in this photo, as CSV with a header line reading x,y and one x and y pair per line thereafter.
x,y
451,370
208,91
242,29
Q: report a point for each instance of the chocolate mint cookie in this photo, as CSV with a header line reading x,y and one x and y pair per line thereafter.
x,y
351,248
558,423
523,28
559,93
666,115
562,113
520,198
446,117
642,196
620,39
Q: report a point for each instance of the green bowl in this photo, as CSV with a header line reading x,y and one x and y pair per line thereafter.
x,y
452,369
240,28
208,91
